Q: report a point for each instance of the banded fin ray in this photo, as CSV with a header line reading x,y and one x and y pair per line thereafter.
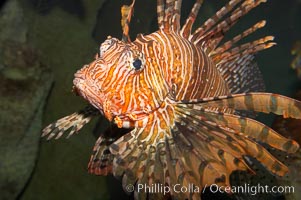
x,y
202,127
101,160
143,154
74,121
213,21
254,101
206,156
187,27
212,32
215,32
253,129
228,44
169,14
249,146
160,13
242,75
176,16
255,46
132,164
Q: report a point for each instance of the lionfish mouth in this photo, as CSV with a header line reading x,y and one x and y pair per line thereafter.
x,y
85,88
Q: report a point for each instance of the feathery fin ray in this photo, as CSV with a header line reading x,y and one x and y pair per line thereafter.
x,y
74,121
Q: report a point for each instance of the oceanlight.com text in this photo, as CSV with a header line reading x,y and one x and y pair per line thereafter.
x,y
252,189
214,188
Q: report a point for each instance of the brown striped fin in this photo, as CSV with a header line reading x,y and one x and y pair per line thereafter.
x,y
213,144
212,165
186,29
101,160
154,161
168,14
253,129
151,155
176,16
200,148
249,51
209,133
213,21
166,154
257,151
126,15
230,136
211,39
244,49
199,158
74,121
242,75
227,45
160,13
255,101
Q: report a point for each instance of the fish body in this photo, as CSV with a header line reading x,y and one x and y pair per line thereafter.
x,y
186,100
155,82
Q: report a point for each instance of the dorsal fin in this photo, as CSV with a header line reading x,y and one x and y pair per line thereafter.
x,y
160,13
213,21
126,15
242,75
228,44
176,16
169,13
186,29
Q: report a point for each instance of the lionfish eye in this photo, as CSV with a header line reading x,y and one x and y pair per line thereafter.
x,y
137,64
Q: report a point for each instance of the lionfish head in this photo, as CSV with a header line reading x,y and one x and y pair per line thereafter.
x,y
115,82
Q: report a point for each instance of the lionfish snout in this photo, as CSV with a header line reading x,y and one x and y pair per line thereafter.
x,y
87,84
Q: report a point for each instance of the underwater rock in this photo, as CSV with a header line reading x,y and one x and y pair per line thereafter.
x,y
12,22
65,43
24,88
74,7
24,85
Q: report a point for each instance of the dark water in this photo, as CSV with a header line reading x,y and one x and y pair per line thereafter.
x,y
67,34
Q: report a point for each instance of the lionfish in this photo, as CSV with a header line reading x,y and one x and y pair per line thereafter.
x,y
186,99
